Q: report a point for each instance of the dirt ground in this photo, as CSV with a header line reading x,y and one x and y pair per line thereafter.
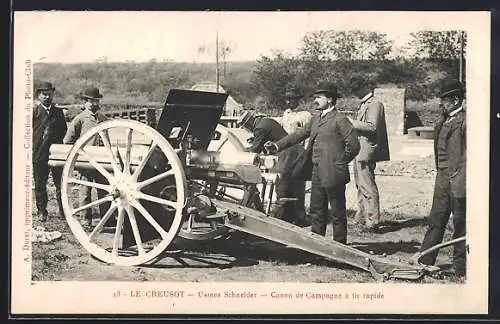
x,y
405,203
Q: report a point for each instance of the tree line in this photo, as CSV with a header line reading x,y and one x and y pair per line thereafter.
x,y
345,57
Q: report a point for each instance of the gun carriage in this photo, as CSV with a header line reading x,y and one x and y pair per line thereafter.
x,y
190,178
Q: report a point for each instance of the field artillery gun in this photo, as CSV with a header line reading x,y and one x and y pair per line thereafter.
x,y
177,181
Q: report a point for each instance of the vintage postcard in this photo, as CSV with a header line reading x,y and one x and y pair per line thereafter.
x,y
250,162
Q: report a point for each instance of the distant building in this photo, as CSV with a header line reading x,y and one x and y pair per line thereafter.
x,y
232,107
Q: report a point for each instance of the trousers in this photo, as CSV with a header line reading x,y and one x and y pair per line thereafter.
x,y
85,194
368,196
41,172
288,187
443,205
321,197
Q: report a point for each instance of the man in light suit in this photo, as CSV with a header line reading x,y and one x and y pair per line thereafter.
x,y
374,147
333,143
89,118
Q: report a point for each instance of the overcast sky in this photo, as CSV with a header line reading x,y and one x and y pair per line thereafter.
x,y
140,36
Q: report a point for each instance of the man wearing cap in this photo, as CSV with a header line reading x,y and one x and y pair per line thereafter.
x,y
374,147
266,129
449,189
85,120
49,127
293,119
333,143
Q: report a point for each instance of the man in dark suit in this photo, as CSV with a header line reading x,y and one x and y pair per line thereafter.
x,y
374,147
266,129
449,188
49,127
332,145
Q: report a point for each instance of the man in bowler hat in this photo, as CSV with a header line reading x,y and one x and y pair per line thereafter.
x,y
266,129
449,189
84,121
49,127
374,147
333,143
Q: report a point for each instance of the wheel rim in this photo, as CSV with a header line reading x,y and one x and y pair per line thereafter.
x,y
127,189
214,229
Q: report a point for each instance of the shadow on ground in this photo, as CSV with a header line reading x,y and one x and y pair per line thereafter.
x,y
387,247
396,225
238,250
200,260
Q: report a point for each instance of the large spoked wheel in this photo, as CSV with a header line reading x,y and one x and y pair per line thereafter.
x,y
199,229
126,162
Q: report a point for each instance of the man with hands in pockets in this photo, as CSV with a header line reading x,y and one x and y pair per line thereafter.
x,y
374,147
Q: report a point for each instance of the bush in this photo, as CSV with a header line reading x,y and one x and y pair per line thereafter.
x,y
422,113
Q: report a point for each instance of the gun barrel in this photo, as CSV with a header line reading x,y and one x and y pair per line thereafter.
x,y
58,154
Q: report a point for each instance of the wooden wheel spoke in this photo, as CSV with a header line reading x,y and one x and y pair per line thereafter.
x,y
96,165
135,230
92,204
155,178
90,184
128,148
103,220
107,143
157,200
150,219
144,161
120,158
118,231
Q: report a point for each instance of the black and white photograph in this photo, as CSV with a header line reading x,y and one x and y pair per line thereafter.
x,y
249,162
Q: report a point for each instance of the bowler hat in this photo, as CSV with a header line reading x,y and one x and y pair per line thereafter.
x,y
452,87
329,89
45,86
91,93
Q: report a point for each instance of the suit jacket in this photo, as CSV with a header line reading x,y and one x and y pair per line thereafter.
x,y
457,152
81,124
48,129
338,145
268,129
372,130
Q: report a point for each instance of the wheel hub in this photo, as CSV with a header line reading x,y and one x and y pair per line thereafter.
x,y
124,189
